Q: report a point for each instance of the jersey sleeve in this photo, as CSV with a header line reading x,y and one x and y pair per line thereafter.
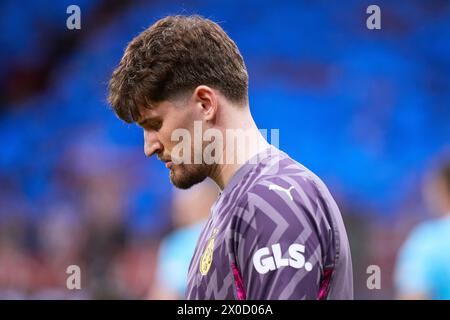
x,y
276,247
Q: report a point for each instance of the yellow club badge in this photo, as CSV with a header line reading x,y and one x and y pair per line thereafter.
x,y
207,256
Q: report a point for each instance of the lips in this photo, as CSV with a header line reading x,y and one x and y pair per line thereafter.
x,y
167,162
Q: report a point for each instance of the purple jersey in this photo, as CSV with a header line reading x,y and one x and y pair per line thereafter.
x,y
275,232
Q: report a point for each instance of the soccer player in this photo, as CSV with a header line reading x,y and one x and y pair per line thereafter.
x,y
275,231
422,270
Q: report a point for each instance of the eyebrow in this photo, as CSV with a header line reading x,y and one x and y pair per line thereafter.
x,y
143,122
148,121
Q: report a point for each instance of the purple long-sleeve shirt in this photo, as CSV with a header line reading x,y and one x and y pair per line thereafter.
x,y
275,232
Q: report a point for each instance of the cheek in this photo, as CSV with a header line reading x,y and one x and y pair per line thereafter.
x,y
180,134
165,137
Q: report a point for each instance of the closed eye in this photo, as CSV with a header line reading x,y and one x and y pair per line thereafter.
x,y
153,124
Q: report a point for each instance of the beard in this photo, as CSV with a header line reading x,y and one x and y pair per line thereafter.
x,y
184,176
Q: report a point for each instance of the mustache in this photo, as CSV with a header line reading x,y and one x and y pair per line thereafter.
x,y
164,159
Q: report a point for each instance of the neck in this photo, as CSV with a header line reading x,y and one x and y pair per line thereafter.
x,y
237,150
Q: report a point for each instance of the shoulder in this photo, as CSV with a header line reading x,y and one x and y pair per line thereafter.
x,y
288,199
426,236
180,241
285,185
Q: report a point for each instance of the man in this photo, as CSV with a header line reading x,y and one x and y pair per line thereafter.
x,y
275,231
422,270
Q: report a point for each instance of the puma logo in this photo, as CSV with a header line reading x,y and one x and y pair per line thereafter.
x,y
278,188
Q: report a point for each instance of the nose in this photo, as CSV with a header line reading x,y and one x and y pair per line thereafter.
x,y
151,143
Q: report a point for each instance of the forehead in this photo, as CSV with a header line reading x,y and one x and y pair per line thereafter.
x,y
160,109
151,111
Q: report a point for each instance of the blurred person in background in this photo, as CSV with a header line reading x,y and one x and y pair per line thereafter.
x,y
423,266
16,262
99,183
61,237
190,210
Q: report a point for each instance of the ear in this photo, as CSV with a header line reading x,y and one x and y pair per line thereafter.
x,y
207,100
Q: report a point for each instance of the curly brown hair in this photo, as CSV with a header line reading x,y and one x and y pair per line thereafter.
x,y
174,56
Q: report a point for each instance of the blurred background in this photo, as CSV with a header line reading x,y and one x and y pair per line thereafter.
x,y
367,110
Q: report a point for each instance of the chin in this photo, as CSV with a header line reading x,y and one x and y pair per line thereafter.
x,y
184,177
